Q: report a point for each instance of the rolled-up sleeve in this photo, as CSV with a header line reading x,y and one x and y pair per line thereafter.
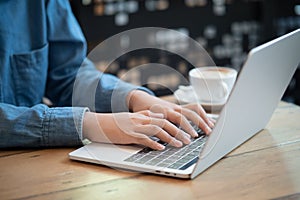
x,y
40,126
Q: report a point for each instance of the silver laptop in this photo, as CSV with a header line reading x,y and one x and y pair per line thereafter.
x,y
257,92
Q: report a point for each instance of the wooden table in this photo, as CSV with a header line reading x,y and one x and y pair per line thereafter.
x,y
267,166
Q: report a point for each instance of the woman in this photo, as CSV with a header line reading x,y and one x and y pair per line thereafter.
x,y
41,50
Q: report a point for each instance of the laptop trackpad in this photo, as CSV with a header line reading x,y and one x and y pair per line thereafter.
x,y
106,152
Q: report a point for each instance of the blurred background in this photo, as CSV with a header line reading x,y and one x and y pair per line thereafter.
x,y
227,29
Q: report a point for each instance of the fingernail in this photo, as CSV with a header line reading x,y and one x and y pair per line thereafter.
x,y
160,146
186,139
211,125
212,120
208,130
195,134
186,135
177,143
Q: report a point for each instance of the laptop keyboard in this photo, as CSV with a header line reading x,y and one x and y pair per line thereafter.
x,y
171,157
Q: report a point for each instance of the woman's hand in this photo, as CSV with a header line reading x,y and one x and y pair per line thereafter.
x,y
181,115
133,128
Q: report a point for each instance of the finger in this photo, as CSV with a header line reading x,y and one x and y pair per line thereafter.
x,y
179,119
197,120
172,130
212,120
151,114
200,111
146,141
156,115
153,130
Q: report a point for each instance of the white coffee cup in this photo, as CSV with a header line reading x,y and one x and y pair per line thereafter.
x,y
212,84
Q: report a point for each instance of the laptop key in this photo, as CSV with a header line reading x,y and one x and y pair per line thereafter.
x,y
154,161
176,165
171,157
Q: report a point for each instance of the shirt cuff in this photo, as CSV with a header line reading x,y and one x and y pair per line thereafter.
x,y
63,126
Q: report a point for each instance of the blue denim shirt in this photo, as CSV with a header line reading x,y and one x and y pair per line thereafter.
x,y
41,50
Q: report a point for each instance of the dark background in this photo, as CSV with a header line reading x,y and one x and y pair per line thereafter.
x,y
227,29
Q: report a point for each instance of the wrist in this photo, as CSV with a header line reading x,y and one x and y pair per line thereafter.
x,y
96,126
136,100
88,125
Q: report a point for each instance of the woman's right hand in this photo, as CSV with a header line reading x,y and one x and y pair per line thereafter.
x,y
133,128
